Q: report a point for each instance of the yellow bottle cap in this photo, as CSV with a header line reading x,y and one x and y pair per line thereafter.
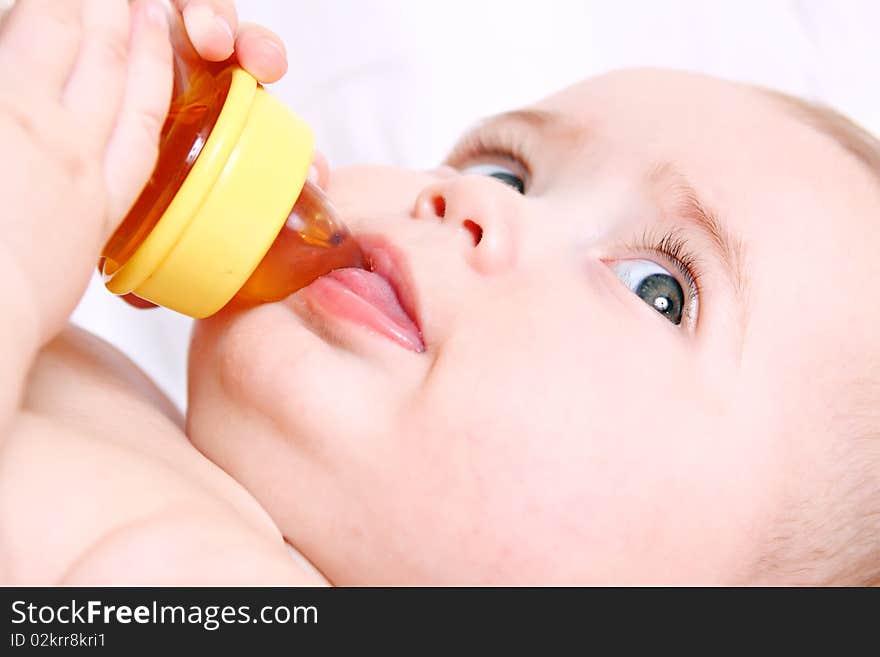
x,y
231,206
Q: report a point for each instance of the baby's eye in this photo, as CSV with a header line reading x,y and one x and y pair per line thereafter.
x,y
502,173
654,285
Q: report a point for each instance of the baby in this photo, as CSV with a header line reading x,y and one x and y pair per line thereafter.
x,y
629,348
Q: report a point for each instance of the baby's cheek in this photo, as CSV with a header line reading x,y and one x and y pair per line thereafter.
x,y
496,483
251,356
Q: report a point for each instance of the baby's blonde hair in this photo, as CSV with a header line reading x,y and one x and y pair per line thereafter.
x,y
833,537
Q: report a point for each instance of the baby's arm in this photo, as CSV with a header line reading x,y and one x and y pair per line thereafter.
x,y
81,105
85,497
84,88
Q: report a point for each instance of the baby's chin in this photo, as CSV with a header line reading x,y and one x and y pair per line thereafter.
x,y
229,376
231,355
254,371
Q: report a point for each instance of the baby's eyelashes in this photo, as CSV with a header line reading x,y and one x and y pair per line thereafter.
x,y
500,172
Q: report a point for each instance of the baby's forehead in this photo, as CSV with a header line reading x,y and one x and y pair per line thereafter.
x,y
855,140
707,101
741,144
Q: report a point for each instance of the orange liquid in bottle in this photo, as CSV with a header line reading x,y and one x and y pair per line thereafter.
x,y
312,242
191,117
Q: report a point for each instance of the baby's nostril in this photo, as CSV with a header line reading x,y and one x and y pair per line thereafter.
x,y
474,229
439,206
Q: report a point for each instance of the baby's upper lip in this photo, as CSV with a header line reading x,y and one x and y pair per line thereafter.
x,y
388,261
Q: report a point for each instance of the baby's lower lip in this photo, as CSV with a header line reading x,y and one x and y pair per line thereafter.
x,y
366,299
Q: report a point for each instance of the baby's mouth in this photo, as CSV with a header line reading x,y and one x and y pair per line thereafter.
x,y
379,297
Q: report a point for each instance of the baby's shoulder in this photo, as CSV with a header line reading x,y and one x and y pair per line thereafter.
x,y
99,485
79,373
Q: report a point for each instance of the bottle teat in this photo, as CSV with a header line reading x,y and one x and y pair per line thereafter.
x,y
312,242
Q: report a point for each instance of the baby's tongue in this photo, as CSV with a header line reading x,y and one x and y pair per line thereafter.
x,y
382,311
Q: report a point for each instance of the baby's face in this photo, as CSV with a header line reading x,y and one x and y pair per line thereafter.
x,y
628,369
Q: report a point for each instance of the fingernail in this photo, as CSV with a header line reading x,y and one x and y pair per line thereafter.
x,y
202,23
156,15
269,43
224,26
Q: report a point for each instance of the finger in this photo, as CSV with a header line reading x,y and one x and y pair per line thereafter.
x,y
94,91
40,38
261,52
211,26
133,147
319,171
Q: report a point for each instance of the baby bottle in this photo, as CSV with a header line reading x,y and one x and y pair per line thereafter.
x,y
228,211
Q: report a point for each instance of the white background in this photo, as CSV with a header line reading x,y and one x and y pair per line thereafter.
x,y
396,81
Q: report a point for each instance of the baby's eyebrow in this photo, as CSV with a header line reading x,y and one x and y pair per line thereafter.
x,y
676,190
540,120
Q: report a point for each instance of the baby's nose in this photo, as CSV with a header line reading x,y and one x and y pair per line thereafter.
x,y
482,208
